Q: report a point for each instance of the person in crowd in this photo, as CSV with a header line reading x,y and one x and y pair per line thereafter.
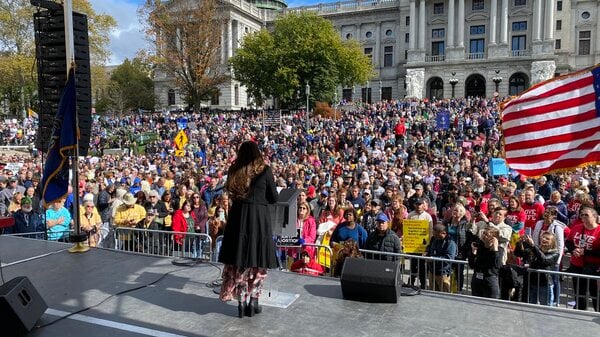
x,y
167,199
533,209
417,266
306,265
583,243
306,227
383,239
396,212
149,242
317,205
515,216
158,205
105,199
349,229
58,221
441,246
542,256
15,203
459,231
90,221
212,191
497,221
27,220
184,222
127,216
333,212
485,260
248,249
372,209
555,201
8,192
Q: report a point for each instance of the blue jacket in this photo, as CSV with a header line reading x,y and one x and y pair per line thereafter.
x,y
343,233
445,249
34,224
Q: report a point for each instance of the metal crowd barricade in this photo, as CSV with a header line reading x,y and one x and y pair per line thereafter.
x,y
322,254
428,273
60,236
163,243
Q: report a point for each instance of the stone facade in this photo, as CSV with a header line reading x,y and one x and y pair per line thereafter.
x,y
419,47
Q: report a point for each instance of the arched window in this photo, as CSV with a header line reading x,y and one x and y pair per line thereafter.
x,y
475,86
518,83
171,97
436,88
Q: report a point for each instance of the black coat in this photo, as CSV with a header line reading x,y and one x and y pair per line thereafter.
x,y
248,238
388,243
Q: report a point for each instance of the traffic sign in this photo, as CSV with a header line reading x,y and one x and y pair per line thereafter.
x,y
179,153
180,140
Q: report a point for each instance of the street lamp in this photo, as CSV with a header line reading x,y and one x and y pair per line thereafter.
x,y
453,81
307,91
367,94
380,98
497,79
353,92
335,98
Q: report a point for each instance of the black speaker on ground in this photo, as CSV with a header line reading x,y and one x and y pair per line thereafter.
x,y
20,306
370,280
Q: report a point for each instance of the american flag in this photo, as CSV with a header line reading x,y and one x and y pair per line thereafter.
x,y
555,125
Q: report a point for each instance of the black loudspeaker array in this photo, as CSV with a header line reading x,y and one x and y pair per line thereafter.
x,y
49,26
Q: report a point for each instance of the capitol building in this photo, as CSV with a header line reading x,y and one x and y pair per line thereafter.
x,y
432,48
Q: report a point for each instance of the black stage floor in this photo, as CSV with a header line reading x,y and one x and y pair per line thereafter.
x,y
179,302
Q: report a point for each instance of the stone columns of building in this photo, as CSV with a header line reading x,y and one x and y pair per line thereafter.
x,y
414,82
358,31
422,25
229,38
377,56
537,20
549,23
541,71
450,37
413,25
223,44
493,21
461,24
504,30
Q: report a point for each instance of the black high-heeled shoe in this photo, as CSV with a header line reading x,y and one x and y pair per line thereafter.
x,y
242,309
250,309
256,305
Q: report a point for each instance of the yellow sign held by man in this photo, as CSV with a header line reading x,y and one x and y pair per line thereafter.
x,y
416,236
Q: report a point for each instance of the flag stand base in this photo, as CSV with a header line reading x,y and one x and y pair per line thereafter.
x,y
79,248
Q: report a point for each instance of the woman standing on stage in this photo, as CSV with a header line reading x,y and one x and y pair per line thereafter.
x,y
248,249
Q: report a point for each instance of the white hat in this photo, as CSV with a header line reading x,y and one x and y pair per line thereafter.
x,y
129,199
88,197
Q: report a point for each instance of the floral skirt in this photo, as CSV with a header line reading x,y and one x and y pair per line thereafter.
x,y
240,283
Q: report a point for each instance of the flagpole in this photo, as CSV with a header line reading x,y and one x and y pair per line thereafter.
x,y
78,238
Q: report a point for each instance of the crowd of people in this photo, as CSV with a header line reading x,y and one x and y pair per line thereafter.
x,y
360,175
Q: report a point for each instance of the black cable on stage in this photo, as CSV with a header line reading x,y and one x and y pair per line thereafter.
x,y
109,297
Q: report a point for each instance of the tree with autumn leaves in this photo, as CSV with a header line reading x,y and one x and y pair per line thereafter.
x,y
187,39
18,77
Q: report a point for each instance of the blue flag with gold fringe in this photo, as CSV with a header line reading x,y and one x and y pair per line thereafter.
x,y
55,181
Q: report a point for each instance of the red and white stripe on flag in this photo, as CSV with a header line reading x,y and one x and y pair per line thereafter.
x,y
555,125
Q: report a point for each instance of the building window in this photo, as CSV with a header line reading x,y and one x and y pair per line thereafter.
x,y
366,95
585,15
518,42
438,33
477,30
388,56
518,26
477,46
348,36
369,35
520,3
558,24
438,8
214,99
406,38
389,32
584,42
407,20
437,48
236,95
347,95
386,93
369,53
477,5
406,54
171,97
557,44
559,6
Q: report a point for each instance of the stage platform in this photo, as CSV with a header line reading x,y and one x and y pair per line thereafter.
x,y
179,302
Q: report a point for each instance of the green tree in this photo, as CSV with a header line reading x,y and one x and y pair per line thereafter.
x,y
130,87
187,40
302,48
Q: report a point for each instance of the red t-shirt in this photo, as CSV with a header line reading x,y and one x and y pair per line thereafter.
x,y
512,217
590,240
533,213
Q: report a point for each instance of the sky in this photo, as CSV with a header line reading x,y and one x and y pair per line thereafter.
x,y
128,38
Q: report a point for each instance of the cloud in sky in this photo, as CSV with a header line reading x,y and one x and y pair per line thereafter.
x,y
128,38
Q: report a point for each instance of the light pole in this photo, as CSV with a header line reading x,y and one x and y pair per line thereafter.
x,y
335,105
453,81
380,98
307,91
353,92
367,98
497,79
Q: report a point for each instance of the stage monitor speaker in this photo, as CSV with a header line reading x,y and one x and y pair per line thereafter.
x,y
20,306
370,280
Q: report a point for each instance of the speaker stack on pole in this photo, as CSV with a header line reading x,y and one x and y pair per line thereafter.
x,y
370,280
21,306
49,29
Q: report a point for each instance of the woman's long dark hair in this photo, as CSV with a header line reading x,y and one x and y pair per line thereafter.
x,y
248,164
